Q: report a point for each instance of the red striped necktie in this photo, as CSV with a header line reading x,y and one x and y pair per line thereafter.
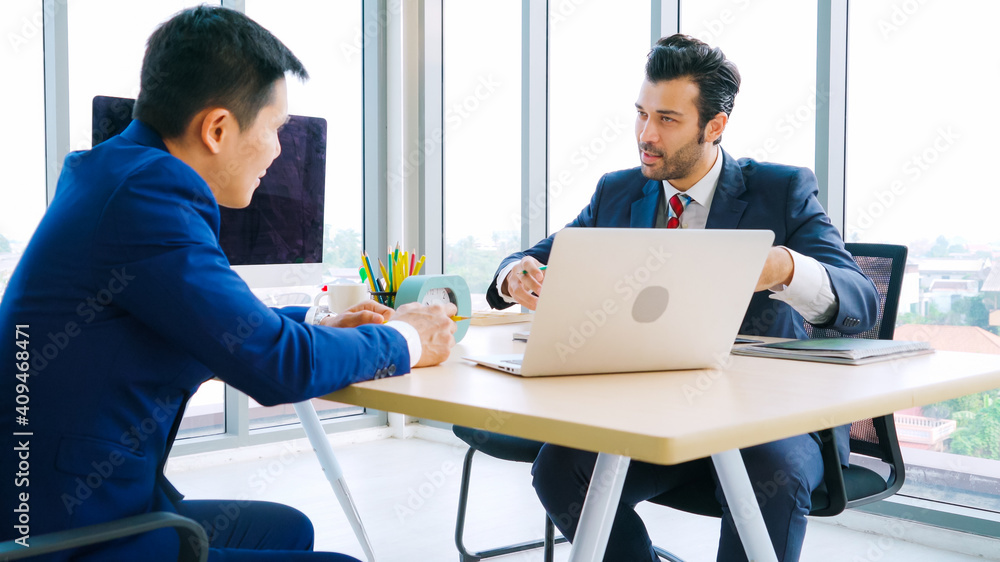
x,y
675,208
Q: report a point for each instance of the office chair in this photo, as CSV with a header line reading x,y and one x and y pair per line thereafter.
x,y
189,532
876,469
508,448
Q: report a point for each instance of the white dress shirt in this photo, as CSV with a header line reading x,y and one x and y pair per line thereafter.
x,y
315,314
809,292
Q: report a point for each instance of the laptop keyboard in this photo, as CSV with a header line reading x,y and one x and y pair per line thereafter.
x,y
514,361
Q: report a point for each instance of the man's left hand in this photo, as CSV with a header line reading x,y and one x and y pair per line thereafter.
x,y
368,312
778,269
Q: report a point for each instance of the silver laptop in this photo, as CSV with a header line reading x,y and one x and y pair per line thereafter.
x,y
639,299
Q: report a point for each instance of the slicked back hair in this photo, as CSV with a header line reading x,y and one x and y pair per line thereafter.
x,y
683,56
209,56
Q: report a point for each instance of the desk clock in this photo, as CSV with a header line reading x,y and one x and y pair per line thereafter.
x,y
438,289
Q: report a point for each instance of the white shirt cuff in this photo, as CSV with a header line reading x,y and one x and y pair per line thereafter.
x,y
809,292
501,278
412,339
315,315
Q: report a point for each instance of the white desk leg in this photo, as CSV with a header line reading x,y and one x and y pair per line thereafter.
x,y
599,508
324,452
743,504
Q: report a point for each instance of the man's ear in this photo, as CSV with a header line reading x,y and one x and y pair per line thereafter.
x,y
216,127
715,127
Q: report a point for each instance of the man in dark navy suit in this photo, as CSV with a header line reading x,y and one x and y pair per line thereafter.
x,y
124,303
686,180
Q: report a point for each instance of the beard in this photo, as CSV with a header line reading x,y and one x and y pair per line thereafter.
x,y
673,166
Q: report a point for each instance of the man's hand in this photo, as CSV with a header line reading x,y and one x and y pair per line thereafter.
x,y
368,312
436,329
524,282
778,269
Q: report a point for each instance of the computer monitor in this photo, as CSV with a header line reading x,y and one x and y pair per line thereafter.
x,y
277,241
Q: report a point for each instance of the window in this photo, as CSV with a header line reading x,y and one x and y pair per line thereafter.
x,y
482,138
918,141
107,40
773,44
23,191
329,44
593,86
205,413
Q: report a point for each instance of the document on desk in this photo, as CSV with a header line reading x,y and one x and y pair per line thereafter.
x,y
845,351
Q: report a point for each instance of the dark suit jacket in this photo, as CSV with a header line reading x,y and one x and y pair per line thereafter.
x,y
130,305
750,195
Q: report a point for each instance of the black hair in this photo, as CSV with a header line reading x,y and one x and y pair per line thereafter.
x,y
683,56
209,56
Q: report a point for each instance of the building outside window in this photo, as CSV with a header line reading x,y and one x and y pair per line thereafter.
x,y
919,139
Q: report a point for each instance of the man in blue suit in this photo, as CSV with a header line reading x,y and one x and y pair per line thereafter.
x,y
124,303
686,180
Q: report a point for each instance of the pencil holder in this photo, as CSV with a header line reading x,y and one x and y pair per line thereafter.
x,y
388,298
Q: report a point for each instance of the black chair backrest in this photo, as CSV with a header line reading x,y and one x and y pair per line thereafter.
x,y
884,265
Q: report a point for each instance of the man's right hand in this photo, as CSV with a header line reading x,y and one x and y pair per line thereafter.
x,y
436,329
524,282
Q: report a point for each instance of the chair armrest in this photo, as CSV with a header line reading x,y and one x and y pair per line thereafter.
x,y
193,540
885,428
833,475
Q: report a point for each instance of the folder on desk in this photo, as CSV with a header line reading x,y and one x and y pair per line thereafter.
x,y
846,351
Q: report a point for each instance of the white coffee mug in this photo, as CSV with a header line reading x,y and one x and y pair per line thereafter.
x,y
342,296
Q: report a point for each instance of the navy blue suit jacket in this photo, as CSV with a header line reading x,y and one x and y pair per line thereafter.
x,y
131,304
749,195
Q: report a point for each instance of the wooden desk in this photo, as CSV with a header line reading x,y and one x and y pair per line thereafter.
x,y
669,417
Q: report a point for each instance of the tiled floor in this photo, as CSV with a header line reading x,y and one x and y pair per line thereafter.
x,y
407,493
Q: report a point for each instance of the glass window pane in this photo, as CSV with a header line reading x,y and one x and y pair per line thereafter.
x,y
22,193
108,63
914,177
206,411
328,43
592,91
775,112
482,138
